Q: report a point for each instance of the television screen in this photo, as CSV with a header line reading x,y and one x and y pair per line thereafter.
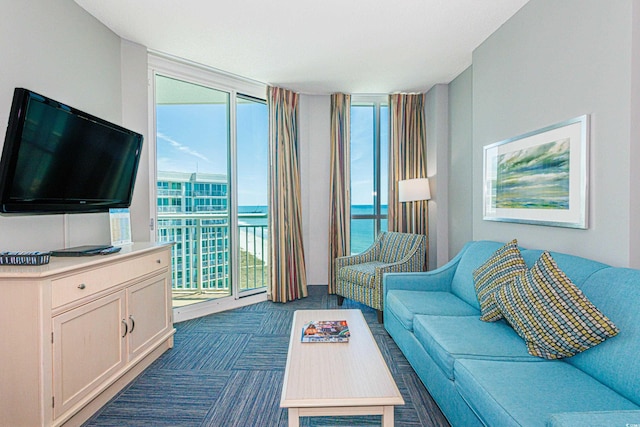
x,y
57,159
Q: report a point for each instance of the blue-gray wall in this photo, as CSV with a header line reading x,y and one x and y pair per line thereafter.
x,y
550,62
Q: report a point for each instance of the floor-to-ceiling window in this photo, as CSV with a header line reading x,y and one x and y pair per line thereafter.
x,y
211,142
369,169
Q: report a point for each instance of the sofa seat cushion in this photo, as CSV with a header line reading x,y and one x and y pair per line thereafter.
x,y
406,304
360,274
506,393
595,419
447,338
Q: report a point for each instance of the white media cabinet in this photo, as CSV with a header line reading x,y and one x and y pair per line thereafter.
x,y
77,330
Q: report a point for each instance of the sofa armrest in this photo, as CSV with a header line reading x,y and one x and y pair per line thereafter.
x,y
434,280
595,419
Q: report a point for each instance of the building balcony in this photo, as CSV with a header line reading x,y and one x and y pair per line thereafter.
x,y
201,267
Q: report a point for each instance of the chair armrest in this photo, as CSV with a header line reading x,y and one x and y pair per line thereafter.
x,y
595,418
343,261
370,254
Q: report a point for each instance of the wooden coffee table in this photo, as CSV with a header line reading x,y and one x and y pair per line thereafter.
x,y
338,379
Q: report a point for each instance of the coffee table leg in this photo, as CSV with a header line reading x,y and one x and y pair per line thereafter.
x,y
387,417
294,417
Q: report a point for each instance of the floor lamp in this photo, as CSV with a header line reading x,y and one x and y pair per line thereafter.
x,y
410,191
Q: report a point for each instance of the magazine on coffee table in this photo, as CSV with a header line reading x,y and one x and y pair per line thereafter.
x,y
326,331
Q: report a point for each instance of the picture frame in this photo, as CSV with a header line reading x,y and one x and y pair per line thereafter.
x,y
540,177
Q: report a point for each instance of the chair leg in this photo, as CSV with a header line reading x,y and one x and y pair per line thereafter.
x,y
340,300
380,316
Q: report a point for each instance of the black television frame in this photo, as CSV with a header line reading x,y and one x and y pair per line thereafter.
x,y
10,152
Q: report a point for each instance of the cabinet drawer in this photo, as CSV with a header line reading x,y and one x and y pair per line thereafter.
x,y
81,285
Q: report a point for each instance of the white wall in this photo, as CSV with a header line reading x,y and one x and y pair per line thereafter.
x,y
135,116
460,162
551,62
55,48
315,140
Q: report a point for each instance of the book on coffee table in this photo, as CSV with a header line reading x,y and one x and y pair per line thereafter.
x,y
326,331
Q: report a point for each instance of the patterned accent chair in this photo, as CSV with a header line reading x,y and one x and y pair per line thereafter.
x,y
359,277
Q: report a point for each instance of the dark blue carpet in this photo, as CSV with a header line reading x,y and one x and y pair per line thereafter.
x,y
226,369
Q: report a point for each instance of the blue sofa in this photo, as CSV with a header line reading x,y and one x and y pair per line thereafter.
x,y
480,373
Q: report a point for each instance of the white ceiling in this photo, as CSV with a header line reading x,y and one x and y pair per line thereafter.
x,y
315,46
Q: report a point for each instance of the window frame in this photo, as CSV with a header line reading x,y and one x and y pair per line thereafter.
x,y
235,86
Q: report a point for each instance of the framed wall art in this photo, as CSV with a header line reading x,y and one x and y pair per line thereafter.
x,y
539,177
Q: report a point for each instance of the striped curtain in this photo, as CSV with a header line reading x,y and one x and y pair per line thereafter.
x,y
407,160
340,183
286,253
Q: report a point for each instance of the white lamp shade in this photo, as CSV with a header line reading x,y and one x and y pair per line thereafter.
x,y
410,190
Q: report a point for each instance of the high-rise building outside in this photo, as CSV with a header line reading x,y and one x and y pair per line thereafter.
x,y
193,213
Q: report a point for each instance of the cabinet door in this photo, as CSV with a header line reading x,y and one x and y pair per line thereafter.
x,y
88,347
149,315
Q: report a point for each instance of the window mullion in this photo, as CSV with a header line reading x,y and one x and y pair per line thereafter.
x,y
233,194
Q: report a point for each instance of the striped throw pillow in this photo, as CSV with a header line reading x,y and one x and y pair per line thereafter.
x,y
500,268
551,313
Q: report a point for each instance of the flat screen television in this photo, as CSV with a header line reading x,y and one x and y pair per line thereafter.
x,y
57,159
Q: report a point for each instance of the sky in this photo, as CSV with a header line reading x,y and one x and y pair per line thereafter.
x,y
194,138
362,130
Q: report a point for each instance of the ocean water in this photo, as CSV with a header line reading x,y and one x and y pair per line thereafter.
x,y
362,230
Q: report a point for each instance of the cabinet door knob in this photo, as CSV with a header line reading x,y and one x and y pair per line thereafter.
x,y
159,261
81,286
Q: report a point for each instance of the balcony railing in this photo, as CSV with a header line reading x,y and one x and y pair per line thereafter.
x,y
201,254
168,192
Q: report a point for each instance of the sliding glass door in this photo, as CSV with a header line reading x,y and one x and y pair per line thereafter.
x,y
252,192
211,169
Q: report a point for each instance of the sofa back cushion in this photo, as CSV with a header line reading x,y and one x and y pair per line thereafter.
x,y
615,362
578,269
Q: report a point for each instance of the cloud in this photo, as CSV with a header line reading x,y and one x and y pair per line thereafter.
x,y
181,147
